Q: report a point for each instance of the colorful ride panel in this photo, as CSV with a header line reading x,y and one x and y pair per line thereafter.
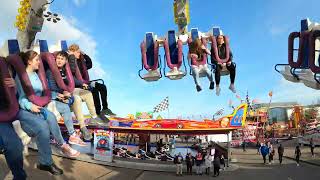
x,y
237,119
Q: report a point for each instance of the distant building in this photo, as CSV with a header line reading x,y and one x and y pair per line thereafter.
x,y
280,112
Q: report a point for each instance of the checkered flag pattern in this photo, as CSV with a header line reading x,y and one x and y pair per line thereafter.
x,y
162,106
219,113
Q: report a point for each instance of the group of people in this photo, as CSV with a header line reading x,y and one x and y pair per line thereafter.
x,y
197,50
201,160
39,121
267,149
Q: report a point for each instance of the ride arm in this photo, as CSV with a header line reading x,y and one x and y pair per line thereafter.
x,y
77,82
212,57
53,85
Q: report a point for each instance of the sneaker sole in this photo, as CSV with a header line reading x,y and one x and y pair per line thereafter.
x,y
82,145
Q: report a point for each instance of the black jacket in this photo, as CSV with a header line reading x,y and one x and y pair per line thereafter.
x,y
72,60
88,62
280,150
221,53
190,160
216,162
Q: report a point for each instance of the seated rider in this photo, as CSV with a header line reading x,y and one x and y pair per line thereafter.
x,y
60,97
196,51
79,95
229,65
98,90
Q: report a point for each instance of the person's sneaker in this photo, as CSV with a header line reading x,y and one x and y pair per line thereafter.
x,y
99,121
68,151
198,88
211,85
92,121
53,169
108,112
86,134
76,140
218,91
103,115
232,88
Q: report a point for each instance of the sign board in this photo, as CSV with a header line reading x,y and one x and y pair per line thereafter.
x,y
103,145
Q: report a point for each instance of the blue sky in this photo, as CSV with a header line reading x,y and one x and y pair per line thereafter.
x,y
111,32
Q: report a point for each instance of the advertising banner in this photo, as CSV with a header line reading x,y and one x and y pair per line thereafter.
x,y
103,145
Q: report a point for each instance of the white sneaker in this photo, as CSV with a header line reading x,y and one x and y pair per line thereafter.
x,y
218,90
232,88
68,151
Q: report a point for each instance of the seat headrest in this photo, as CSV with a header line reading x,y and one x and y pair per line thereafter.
x,y
194,34
149,39
305,23
149,35
43,46
13,46
171,36
64,45
216,31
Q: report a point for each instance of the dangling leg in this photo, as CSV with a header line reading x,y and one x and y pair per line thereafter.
x,y
195,74
217,78
96,99
104,94
232,69
209,75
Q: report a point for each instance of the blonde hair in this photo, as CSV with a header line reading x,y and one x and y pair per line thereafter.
x,y
74,47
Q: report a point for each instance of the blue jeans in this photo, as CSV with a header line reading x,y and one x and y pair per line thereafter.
x,y
64,110
196,72
36,126
54,127
12,146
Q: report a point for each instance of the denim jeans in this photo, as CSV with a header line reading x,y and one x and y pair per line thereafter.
x,y
36,126
196,71
54,127
12,146
64,110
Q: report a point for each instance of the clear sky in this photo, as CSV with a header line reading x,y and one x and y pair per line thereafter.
x,y
111,32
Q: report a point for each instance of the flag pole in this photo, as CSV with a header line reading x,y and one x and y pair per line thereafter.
x,y
168,109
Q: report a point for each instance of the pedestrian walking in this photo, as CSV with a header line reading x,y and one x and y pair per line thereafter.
x,y
199,161
216,164
208,162
190,163
312,147
271,154
298,155
178,161
280,153
222,162
258,145
264,152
